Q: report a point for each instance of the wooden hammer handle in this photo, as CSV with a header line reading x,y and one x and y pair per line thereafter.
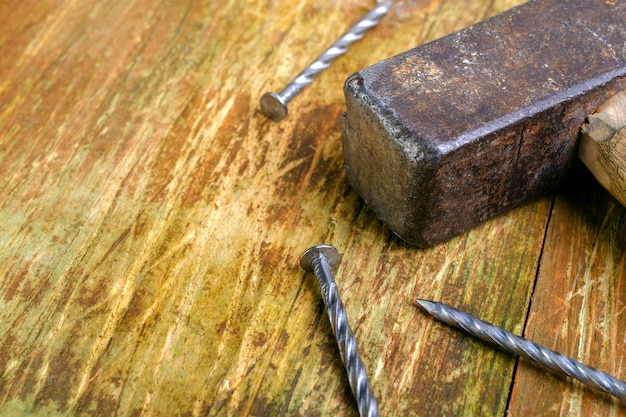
x,y
603,145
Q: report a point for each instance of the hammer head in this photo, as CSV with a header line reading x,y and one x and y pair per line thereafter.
x,y
447,135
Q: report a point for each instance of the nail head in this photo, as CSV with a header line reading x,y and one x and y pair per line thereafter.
x,y
273,106
328,251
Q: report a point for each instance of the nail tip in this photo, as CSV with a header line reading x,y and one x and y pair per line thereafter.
x,y
425,304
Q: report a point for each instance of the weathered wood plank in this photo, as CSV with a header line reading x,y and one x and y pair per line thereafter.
x,y
578,306
151,221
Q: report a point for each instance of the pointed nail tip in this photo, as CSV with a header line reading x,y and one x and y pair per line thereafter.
x,y
425,304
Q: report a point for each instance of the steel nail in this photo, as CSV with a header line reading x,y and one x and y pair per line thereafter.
x,y
274,105
320,260
552,360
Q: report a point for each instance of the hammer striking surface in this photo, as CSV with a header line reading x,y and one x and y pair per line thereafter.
x,y
452,133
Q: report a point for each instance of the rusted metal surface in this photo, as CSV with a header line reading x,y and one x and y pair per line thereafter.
x,y
449,134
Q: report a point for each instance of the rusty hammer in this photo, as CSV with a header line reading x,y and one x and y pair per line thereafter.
x,y
456,131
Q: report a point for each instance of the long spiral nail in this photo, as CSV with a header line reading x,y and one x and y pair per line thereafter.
x,y
554,361
274,105
320,260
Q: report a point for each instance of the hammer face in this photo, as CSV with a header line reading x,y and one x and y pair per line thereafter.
x,y
447,135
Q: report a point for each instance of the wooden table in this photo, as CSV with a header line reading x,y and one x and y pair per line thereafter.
x,y
152,218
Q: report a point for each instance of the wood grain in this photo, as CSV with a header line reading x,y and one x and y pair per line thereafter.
x,y
603,145
577,307
151,222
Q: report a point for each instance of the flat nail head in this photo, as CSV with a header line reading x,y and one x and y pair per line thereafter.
x,y
329,252
273,106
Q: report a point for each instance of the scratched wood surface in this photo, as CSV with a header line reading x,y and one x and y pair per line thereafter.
x,y
151,221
